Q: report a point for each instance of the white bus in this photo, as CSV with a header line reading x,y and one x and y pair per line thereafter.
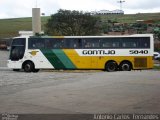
x,y
110,53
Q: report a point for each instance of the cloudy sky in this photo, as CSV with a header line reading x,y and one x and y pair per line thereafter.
x,y
23,8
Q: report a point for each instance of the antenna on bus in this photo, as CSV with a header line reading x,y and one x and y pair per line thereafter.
x,y
121,2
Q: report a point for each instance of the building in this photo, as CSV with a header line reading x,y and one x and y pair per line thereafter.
x,y
107,12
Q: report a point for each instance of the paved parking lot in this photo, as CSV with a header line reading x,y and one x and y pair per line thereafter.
x,y
79,92
4,55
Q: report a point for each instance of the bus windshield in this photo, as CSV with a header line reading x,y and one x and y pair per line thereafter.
x,y
17,49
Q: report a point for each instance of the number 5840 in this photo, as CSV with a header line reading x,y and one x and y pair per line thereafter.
x,y
138,52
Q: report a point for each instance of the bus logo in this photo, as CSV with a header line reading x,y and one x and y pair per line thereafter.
x,y
98,52
33,53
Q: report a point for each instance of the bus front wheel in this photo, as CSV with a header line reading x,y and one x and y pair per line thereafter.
x,y
28,67
125,66
111,66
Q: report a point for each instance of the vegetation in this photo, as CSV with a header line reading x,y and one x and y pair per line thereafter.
x,y
132,18
73,23
157,67
10,27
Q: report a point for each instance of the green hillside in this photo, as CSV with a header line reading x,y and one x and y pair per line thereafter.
x,y
10,27
132,18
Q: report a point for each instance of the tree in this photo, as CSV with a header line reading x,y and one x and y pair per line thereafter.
x,y
72,23
156,31
140,27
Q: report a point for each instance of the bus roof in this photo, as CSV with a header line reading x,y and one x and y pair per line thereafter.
x,y
133,35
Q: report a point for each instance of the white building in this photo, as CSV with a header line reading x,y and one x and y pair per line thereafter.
x,y
107,12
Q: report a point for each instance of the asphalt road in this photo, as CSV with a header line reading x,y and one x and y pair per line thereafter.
x,y
4,55
80,92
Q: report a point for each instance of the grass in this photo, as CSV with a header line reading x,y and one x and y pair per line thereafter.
x,y
157,67
10,27
131,18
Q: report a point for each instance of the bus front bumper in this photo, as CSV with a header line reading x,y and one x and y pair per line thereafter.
x,y
14,64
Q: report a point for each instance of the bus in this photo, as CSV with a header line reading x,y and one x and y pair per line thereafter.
x,y
109,53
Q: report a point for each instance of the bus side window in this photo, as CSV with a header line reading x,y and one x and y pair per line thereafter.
x,y
91,43
134,45
39,45
48,43
145,44
106,44
57,43
36,43
79,43
76,43
123,44
87,45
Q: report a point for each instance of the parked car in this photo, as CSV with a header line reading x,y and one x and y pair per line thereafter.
x,y
156,55
3,46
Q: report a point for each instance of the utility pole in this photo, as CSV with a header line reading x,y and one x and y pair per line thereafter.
x,y
121,2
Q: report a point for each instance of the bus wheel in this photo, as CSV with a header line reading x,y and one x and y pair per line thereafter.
x,y
111,66
28,67
125,66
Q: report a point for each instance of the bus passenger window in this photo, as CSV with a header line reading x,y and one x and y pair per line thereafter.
x,y
74,45
123,44
48,43
91,43
57,43
134,45
79,43
145,44
87,45
115,44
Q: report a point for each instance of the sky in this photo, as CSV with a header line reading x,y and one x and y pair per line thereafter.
x,y
23,8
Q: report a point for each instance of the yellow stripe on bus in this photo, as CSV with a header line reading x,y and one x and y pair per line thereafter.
x,y
98,62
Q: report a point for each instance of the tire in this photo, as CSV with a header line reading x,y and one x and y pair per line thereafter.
x,y
125,66
111,66
28,67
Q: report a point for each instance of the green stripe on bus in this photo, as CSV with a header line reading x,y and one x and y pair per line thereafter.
x,y
64,59
58,59
53,59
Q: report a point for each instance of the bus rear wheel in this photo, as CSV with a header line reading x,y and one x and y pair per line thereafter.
x,y
125,66
111,66
28,67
